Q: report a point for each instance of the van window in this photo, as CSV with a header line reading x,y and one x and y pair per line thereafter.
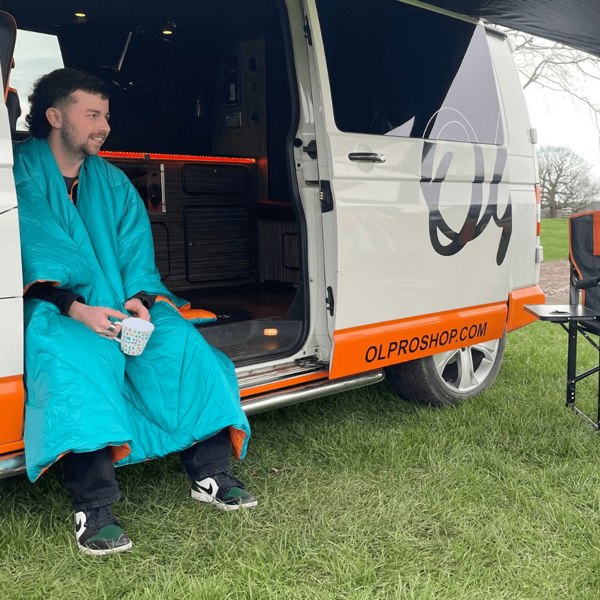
x,y
403,71
35,55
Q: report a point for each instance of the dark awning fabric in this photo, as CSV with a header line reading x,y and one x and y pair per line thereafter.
x,y
572,22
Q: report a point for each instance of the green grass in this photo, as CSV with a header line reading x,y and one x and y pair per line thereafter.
x,y
555,238
363,496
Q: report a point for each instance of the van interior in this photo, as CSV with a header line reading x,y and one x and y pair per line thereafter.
x,y
203,122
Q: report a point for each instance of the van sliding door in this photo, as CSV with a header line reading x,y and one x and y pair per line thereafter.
x,y
412,159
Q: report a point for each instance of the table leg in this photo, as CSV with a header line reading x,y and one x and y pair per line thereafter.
x,y
572,364
598,417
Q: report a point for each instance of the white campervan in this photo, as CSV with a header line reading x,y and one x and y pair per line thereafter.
x,y
349,185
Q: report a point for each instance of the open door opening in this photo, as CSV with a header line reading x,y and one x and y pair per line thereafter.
x,y
202,123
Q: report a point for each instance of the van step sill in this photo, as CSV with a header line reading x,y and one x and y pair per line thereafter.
x,y
309,391
256,377
12,464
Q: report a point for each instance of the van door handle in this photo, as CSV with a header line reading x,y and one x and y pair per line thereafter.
x,y
366,157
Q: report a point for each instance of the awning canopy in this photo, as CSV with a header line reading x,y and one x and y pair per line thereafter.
x,y
572,22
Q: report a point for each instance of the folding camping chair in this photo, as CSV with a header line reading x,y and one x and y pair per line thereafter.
x,y
582,315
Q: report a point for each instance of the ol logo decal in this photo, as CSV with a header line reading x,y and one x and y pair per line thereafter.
x,y
444,239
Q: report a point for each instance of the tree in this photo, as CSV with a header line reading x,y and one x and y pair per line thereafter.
x,y
559,68
565,179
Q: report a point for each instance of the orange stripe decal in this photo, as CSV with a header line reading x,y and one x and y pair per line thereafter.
x,y
12,406
517,315
12,447
360,349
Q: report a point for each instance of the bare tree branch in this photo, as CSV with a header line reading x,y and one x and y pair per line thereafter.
x,y
559,68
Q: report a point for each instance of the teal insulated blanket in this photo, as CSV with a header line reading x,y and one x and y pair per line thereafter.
x,y
83,393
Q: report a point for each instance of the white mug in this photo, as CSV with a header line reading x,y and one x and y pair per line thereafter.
x,y
134,335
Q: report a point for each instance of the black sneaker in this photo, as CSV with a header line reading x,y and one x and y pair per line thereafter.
x,y
224,491
98,532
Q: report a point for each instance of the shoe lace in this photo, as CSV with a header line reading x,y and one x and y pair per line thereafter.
x,y
226,480
99,517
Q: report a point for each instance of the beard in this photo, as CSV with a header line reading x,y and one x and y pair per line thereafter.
x,y
76,148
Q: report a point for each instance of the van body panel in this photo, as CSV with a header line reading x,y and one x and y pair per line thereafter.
x,y
517,315
524,270
517,121
11,285
11,340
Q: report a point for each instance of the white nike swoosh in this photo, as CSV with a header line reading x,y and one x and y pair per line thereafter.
x,y
208,490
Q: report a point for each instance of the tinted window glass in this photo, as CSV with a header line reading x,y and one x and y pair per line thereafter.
x,y
399,70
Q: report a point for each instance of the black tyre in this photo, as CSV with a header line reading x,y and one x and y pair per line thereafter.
x,y
448,378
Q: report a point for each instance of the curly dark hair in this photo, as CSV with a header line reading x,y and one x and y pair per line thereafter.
x,y
55,88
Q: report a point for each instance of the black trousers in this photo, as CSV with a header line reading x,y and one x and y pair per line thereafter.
x,y
90,476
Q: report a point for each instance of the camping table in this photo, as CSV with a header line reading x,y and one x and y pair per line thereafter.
x,y
572,318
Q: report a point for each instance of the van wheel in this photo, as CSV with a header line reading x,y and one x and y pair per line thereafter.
x,y
448,378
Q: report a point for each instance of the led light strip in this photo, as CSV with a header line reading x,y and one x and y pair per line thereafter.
x,y
178,157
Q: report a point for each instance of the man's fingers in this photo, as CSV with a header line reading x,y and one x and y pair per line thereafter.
x,y
144,314
110,312
113,328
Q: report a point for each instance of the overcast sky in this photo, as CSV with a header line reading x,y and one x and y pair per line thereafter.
x,y
562,122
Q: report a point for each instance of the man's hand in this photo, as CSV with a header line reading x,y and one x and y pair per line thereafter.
x,y
97,318
136,307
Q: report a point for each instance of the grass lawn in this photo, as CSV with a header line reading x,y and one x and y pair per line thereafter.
x,y
362,496
555,238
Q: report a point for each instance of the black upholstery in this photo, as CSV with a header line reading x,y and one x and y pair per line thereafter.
x,y
584,257
8,38
14,109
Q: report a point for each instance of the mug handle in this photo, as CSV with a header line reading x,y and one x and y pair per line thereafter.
x,y
117,338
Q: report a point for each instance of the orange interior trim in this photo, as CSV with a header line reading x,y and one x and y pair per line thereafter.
x,y
517,315
292,381
237,437
230,160
12,407
369,347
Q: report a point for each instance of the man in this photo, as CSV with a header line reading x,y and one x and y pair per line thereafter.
x,y
88,262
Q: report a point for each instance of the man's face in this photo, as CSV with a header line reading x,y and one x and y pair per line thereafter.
x,y
84,124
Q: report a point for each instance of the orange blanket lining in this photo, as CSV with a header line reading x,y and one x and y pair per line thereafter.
x,y
237,437
187,312
117,454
